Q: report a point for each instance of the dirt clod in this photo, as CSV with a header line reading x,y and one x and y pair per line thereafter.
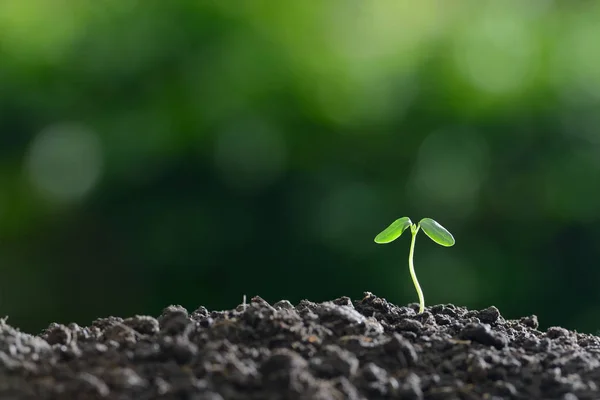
x,y
341,349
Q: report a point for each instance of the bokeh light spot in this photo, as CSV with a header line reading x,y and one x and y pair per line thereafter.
x,y
38,29
449,172
576,58
64,162
497,53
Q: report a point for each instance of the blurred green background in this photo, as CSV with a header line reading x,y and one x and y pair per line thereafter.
x,y
190,152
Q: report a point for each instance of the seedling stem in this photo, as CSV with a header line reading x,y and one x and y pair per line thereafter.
x,y
411,267
435,231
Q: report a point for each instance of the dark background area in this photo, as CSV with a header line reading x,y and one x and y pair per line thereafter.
x,y
190,152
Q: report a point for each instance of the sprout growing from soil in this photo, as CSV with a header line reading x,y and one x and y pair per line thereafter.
x,y
435,231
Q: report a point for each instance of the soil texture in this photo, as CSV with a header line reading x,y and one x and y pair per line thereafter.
x,y
342,349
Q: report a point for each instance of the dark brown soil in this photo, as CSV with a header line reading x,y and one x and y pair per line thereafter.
x,y
367,349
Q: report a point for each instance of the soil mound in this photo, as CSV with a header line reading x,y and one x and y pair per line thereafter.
x,y
342,349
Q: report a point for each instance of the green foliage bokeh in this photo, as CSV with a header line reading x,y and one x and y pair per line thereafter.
x,y
190,152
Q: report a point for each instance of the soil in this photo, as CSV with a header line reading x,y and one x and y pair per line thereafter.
x,y
366,349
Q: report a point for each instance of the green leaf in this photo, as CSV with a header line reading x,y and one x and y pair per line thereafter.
x,y
393,231
436,232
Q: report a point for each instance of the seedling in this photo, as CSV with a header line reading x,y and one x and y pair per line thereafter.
x,y
435,231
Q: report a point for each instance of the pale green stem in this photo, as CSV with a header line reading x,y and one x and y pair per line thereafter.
x,y
411,266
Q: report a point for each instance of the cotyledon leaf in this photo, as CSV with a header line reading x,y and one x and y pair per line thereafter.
x,y
436,232
393,231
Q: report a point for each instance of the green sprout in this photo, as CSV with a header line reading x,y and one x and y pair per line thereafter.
x,y
435,231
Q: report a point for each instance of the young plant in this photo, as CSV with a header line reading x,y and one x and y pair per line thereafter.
x,y
435,231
